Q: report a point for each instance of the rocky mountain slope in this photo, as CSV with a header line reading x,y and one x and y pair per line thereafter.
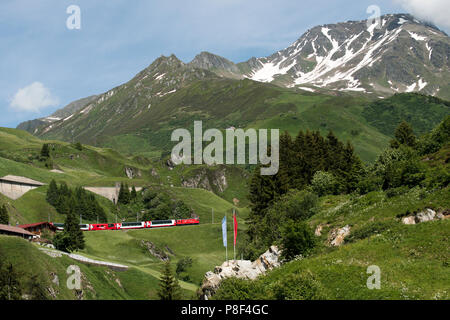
x,y
33,125
321,82
400,54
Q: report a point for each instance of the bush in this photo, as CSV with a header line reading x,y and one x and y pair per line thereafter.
x,y
324,183
297,238
294,206
301,286
240,289
396,191
183,264
399,167
62,242
368,230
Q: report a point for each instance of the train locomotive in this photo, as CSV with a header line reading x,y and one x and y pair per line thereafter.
x,y
132,225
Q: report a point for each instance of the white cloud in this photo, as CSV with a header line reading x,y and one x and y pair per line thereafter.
x,y
435,11
33,98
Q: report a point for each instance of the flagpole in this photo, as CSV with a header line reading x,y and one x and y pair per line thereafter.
x,y
226,227
234,236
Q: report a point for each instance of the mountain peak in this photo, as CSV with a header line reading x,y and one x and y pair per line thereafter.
x,y
213,62
401,54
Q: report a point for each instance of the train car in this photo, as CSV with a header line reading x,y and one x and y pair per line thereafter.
x,y
133,225
58,226
163,223
84,227
187,222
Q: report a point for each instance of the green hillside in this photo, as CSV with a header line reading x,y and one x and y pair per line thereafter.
x,y
414,259
97,282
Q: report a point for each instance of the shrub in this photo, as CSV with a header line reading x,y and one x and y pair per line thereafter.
x,y
324,183
301,286
297,238
368,230
240,289
396,191
183,264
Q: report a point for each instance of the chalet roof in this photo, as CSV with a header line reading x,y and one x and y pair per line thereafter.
x,y
17,230
23,180
30,225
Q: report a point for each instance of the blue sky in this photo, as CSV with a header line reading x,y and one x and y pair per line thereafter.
x,y
44,65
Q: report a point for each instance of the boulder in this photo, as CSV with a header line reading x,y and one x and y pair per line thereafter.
x,y
244,269
337,235
425,216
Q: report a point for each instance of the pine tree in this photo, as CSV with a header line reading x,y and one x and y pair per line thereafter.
x,y
45,151
123,194
127,194
4,218
133,194
52,193
404,135
169,289
72,228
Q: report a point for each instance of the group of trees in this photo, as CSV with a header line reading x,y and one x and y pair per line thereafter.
x,y
125,195
159,206
312,166
79,201
300,159
4,217
401,165
310,161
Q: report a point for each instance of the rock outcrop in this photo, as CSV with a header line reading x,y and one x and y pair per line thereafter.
x,y
155,251
426,215
132,172
337,235
211,180
244,269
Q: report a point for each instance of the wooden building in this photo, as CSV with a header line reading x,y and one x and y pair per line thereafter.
x,y
15,231
39,227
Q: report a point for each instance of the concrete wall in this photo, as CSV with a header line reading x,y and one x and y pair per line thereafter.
x,y
14,190
111,193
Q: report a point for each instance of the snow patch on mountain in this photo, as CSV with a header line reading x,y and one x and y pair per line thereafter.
x,y
416,37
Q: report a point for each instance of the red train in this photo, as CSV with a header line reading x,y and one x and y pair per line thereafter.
x,y
133,225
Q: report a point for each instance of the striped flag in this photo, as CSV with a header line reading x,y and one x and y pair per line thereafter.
x,y
224,231
235,225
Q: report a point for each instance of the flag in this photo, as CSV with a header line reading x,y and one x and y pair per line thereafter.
x,y
235,225
224,231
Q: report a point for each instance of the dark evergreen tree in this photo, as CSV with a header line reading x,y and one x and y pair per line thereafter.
x,y
45,151
72,238
4,217
133,194
169,289
124,194
78,146
404,135
52,193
